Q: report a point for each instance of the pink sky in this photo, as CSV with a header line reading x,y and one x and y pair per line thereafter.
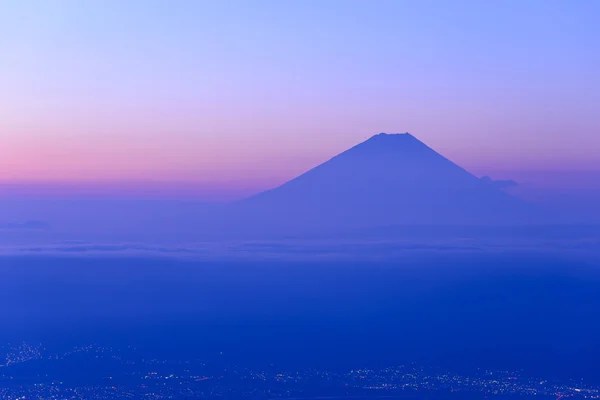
x,y
249,99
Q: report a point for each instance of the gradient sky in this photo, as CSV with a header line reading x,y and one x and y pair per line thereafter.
x,y
250,93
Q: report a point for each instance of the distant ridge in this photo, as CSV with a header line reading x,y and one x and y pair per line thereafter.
x,y
389,179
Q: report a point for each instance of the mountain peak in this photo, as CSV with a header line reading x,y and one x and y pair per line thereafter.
x,y
390,138
390,145
393,134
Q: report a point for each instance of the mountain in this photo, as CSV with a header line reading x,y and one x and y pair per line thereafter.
x,y
389,179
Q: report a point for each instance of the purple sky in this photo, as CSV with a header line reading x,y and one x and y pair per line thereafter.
x,y
225,98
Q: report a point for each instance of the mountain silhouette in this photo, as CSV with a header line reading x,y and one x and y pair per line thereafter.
x,y
389,179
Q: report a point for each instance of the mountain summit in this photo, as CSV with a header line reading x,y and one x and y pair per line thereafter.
x,y
389,179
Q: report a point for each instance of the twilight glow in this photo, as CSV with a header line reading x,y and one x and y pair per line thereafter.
x,y
238,94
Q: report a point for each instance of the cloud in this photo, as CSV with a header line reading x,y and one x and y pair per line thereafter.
x,y
284,249
26,226
500,184
100,248
296,250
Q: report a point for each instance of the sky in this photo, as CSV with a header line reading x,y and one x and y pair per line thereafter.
x,y
236,96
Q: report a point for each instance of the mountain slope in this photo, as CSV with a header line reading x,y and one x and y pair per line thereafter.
x,y
390,179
